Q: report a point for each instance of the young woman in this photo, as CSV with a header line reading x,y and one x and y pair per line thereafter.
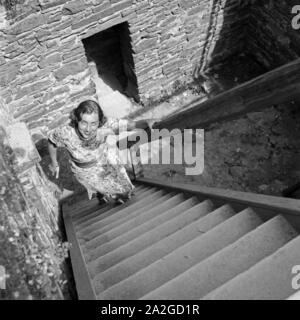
x,y
94,162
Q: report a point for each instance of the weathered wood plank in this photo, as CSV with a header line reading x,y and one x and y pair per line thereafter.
x,y
277,86
276,204
84,286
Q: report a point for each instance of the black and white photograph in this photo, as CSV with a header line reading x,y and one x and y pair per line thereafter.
x,y
150,150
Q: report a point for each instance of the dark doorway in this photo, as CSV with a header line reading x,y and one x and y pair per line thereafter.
x,y
109,54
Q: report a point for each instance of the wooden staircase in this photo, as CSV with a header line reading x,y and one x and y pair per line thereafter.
x,y
174,241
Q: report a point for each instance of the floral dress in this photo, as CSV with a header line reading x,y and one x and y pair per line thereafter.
x,y
97,167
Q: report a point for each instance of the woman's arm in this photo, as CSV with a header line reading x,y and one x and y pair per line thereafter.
x,y
140,124
121,125
54,167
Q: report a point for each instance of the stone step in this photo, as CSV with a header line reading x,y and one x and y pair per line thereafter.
x,y
129,221
166,230
117,212
105,233
184,257
270,279
227,263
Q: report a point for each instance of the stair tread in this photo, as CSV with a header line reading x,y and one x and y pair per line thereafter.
x,y
129,235
145,221
166,243
294,296
79,209
82,214
270,278
119,211
134,263
166,230
227,263
130,220
102,212
96,215
185,256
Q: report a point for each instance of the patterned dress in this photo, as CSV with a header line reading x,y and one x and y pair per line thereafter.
x,y
97,167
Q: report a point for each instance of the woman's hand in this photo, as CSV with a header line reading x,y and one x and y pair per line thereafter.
x,y
54,168
102,134
151,122
142,124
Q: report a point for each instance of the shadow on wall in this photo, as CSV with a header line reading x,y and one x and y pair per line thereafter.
x,y
274,41
226,61
109,55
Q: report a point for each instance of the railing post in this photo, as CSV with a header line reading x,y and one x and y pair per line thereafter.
x,y
136,160
132,165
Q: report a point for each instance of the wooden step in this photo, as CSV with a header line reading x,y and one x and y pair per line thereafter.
x,y
227,263
168,229
270,279
184,257
118,211
86,207
96,239
294,296
91,217
143,258
130,221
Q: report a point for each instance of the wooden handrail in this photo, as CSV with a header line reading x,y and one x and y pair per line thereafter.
x,y
276,86
282,205
84,286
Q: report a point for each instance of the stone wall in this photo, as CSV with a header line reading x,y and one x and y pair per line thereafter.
x,y
44,70
32,249
271,37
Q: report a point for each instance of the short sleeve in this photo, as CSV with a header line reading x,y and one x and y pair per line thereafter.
x,y
57,137
117,125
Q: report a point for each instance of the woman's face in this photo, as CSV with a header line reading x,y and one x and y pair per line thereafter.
x,y
88,124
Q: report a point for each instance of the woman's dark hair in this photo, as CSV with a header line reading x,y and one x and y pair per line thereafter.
x,y
87,106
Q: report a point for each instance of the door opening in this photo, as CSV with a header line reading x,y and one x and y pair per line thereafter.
x,y
109,55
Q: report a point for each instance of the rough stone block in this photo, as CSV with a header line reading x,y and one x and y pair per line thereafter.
x,y
78,51
33,88
54,17
122,5
46,4
71,69
27,24
8,72
86,22
20,141
52,43
73,7
43,34
52,59
145,45
101,7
